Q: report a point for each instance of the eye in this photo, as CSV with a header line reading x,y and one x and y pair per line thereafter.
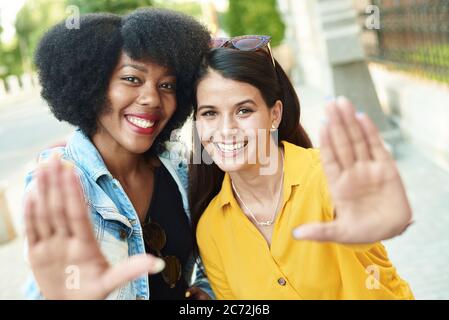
x,y
171,86
244,111
208,113
132,79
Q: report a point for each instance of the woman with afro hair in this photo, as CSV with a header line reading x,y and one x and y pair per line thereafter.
x,y
106,213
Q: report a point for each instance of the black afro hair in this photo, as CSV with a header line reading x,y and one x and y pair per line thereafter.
x,y
75,65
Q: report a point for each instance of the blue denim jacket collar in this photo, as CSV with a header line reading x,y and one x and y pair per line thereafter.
x,y
81,150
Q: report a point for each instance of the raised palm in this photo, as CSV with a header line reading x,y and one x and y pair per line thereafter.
x,y
366,189
64,255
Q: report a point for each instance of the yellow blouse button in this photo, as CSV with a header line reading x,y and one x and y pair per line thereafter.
x,y
282,281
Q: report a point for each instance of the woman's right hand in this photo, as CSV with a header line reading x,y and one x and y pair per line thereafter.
x,y
64,255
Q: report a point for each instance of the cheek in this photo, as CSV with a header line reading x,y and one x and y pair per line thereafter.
x,y
170,106
258,121
120,96
204,130
106,119
254,127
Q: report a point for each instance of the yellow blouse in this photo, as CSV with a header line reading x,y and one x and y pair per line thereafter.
x,y
241,265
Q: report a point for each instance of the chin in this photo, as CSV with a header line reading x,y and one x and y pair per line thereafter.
x,y
139,147
231,165
225,167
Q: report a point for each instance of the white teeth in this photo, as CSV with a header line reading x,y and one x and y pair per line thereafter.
x,y
142,123
230,147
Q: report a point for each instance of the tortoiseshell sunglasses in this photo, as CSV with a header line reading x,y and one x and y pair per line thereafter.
x,y
246,43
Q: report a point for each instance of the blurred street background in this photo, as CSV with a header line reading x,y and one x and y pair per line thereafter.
x,y
390,57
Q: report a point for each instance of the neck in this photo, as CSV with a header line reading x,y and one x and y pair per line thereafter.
x,y
254,187
122,164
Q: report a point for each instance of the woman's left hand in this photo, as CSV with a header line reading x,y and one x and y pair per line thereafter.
x,y
195,293
367,192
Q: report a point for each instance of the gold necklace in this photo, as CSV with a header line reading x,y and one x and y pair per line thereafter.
x,y
268,222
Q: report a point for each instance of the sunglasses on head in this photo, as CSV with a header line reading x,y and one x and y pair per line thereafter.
x,y
155,239
245,43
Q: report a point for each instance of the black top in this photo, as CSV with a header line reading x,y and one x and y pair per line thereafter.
x,y
167,210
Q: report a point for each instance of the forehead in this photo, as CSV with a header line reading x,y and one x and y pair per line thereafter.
x,y
216,90
147,65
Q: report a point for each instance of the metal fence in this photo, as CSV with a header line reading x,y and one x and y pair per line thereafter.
x,y
413,35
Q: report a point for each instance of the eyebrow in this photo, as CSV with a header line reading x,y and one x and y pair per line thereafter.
x,y
246,101
169,73
236,105
135,66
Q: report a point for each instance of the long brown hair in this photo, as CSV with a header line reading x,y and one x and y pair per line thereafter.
x,y
205,180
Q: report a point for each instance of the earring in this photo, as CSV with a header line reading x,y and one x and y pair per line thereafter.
x,y
273,127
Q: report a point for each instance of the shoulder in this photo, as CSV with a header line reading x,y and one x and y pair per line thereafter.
x,y
175,156
211,220
45,155
315,163
304,167
303,163
310,156
175,151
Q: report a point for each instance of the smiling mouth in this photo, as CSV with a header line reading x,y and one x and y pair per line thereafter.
x,y
141,123
230,148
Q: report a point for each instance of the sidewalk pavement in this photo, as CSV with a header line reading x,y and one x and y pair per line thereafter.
x,y
20,97
13,268
421,255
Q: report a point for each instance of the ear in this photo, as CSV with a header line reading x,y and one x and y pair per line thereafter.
x,y
276,113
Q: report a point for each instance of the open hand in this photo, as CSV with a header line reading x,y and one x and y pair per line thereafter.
x,y
368,195
64,255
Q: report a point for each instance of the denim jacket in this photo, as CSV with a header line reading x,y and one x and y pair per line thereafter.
x,y
115,222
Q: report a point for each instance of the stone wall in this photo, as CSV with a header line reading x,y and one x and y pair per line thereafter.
x,y
419,106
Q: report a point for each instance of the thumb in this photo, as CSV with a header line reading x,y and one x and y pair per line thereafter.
x,y
328,231
131,269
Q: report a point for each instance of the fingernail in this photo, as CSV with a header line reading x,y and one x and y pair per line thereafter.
x,y
296,233
68,164
55,155
159,265
329,98
43,164
342,99
410,223
359,114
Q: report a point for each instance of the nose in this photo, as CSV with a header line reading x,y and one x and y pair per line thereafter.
x,y
148,96
228,126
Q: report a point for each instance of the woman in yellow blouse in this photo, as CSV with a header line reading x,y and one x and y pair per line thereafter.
x,y
267,186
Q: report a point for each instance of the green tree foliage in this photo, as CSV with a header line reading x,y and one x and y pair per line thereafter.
x,y
35,17
113,6
10,60
192,8
254,17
